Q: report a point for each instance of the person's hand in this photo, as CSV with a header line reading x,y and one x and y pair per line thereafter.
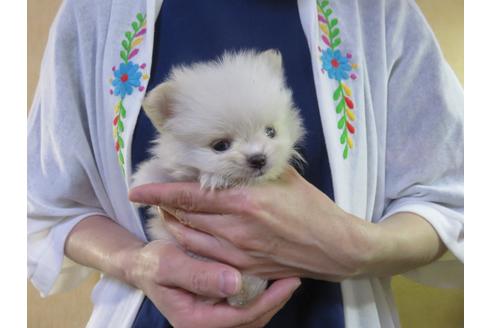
x,y
282,228
177,284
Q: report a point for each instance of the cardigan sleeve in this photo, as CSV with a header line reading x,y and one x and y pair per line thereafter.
x,y
64,185
424,141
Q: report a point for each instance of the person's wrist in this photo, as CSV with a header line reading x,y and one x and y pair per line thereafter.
x,y
366,247
378,245
127,264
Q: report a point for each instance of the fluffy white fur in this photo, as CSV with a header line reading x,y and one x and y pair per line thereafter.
x,y
235,98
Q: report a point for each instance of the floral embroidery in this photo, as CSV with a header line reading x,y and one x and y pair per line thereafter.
x,y
339,68
335,64
126,78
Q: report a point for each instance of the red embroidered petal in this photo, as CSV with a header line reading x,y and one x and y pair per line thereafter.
x,y
350,127
349,103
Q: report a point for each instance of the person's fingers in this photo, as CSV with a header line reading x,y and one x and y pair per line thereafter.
x,y
190,197
188,310
206,245
223,315
213,224
223,251
201,277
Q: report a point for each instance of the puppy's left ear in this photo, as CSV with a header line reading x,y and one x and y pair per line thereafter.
x,y
274,59
158,104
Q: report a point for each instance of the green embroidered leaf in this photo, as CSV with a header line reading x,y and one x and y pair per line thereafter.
x,y
336,43
328,12
129,36
123,56
337,93
140,17
345,152
120,142
343,137
121,158
333,22
324,4
341,122
135,26
125,45
122,110
334,33
120,126
340,106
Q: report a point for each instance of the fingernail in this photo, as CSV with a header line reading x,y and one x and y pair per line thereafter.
x,y
229,283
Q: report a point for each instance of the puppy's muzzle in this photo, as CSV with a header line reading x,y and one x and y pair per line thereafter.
x,y
257,161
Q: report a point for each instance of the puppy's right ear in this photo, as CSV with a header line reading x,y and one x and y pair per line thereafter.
x,y
157,104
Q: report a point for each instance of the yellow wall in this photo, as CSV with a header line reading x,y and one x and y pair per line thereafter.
x,y
419,306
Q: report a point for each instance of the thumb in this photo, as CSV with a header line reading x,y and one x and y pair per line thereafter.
x,y
203,277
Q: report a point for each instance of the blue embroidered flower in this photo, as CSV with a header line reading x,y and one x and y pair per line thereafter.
x,y
127,77
335,64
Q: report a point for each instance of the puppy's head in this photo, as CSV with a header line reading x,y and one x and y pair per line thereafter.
x,y
234,119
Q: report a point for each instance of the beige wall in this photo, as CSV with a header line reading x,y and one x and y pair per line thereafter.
x,y
419,306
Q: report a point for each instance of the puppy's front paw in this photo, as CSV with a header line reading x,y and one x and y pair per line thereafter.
x,y
251,287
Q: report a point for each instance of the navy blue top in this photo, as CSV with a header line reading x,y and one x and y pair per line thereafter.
x,y
196,30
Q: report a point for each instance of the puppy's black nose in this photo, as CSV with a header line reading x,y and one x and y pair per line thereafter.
x,y
257,161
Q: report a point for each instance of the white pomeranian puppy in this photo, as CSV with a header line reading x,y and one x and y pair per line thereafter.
x,y
222,123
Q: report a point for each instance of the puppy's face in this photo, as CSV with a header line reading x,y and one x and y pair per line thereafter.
x,y
228,148
233,120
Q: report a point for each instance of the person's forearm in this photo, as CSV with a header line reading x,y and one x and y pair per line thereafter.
x,y
100,243
402,242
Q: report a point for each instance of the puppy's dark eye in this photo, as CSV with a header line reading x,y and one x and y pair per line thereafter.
x,y
221,145
270,132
